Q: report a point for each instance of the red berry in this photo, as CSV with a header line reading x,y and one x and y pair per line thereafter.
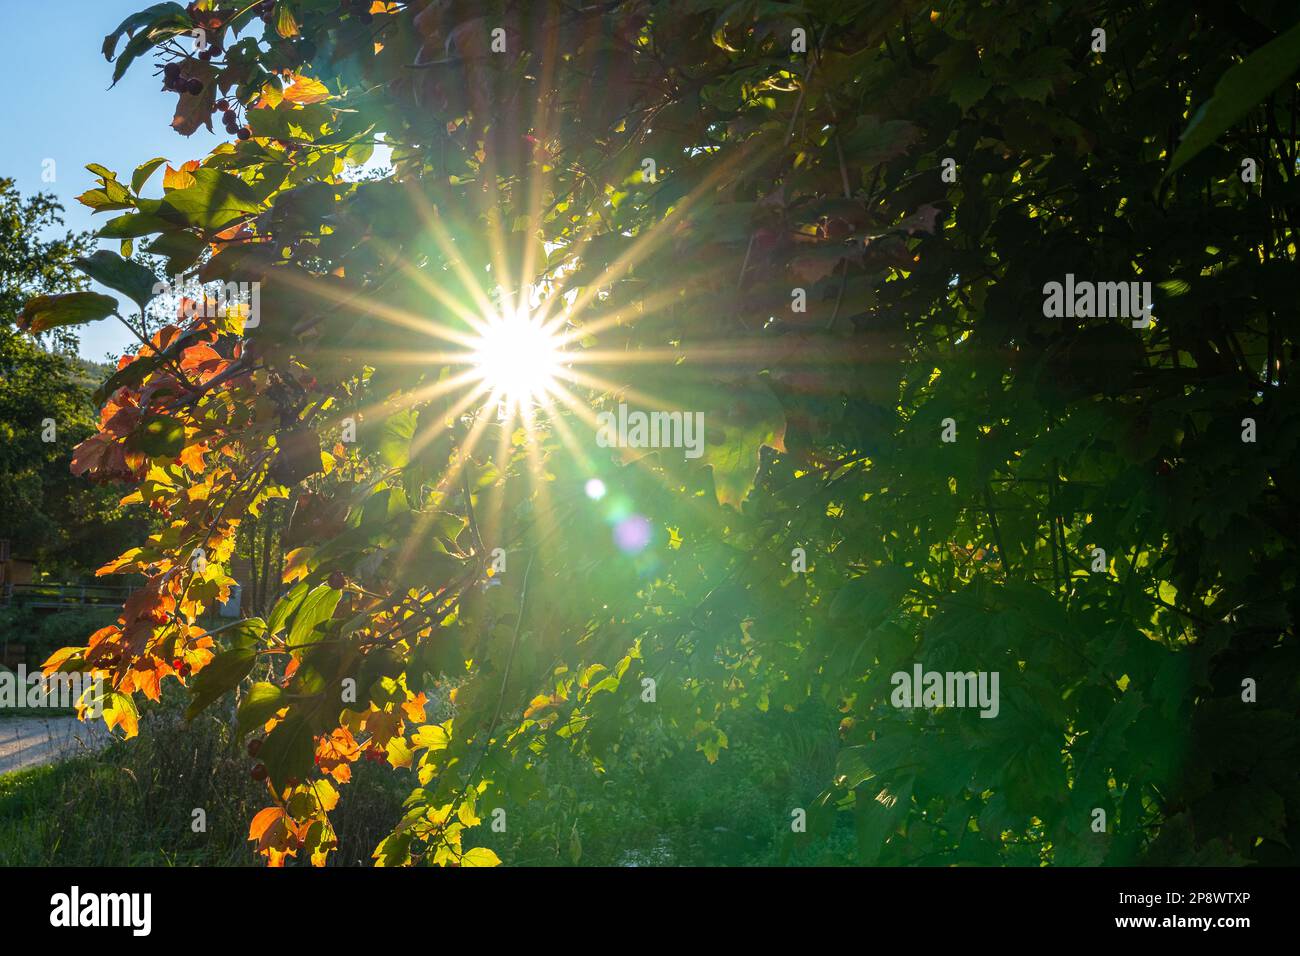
x,y
259,772
194,87
338,580
223,105
176,664
245,133
291,781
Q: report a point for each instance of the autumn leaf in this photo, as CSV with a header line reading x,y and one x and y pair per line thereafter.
x,y
181,178
119,711
304,90
45,312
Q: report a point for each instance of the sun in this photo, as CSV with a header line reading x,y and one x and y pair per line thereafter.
x,y
517,359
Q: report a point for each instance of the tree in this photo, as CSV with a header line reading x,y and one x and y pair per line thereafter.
x,y
31,265
832,228
45,408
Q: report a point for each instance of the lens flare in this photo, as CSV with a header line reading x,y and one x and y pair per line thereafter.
x,y
633,534
517,359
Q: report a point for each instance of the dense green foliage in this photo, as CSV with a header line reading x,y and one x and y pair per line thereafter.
x,y
774,170
46,407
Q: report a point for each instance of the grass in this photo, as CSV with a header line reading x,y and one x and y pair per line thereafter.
x,y
134,803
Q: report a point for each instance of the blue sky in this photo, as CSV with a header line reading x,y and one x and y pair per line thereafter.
x,y
57,105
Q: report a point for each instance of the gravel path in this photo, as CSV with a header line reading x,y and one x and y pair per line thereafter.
x,y
31,741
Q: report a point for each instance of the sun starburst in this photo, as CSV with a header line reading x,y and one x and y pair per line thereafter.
x,y
517,359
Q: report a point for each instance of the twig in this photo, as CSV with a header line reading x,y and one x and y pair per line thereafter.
x,y
997,535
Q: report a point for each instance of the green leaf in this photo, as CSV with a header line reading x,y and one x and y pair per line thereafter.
x,y
288,749
735,429
258,706
103,172
46,312
112,195
247,633
395,850
181,248
144,171
1238,90
130,278
223,674
872,141
317,607
284,608
214,201
161,437
137,46
870,598
133,226
877,814
393,441
135,21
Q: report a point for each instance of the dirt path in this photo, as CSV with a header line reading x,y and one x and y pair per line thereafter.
x,y
31,741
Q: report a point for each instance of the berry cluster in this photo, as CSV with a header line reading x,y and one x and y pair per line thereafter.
x,y
258,772
175,80
230,120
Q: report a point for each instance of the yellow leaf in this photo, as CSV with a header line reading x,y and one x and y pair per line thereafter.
x,y
537,705
431,736
295,564
305,90
479,856
326,794
122,561
285,24
119,711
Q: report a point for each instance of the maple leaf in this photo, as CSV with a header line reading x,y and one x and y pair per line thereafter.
x,y
335,752
414,708
383,726
102,458
59,658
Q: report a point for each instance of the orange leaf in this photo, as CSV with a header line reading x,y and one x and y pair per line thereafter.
x,y
180,178
305,90
125,560
414,708
257,829
540,703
